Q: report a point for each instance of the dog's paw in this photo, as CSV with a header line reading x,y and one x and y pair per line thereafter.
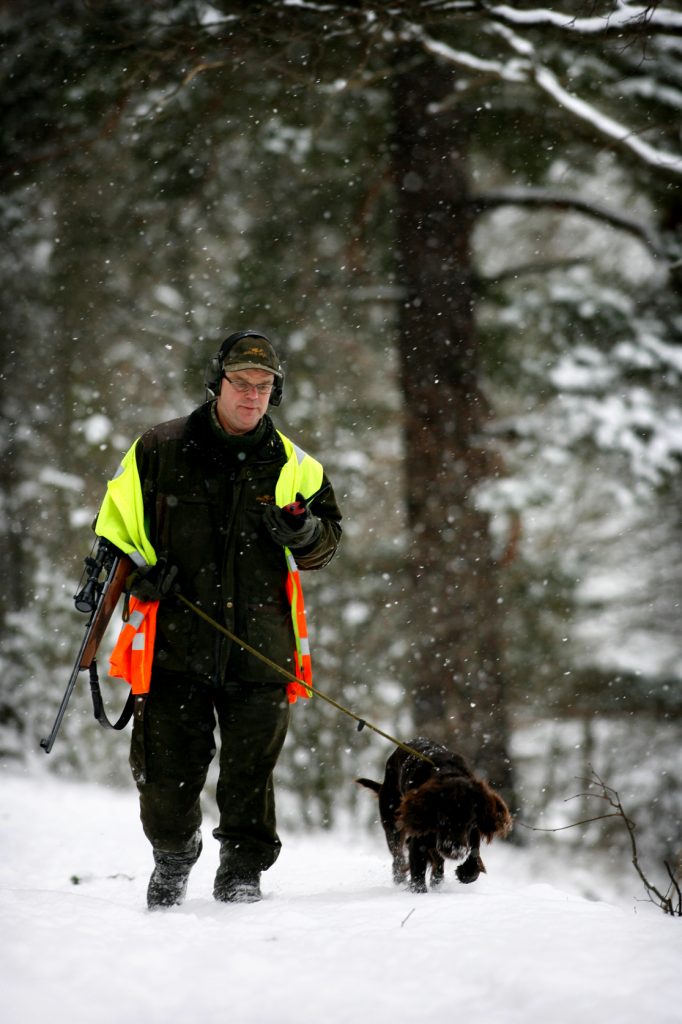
x,y
418,885
470,870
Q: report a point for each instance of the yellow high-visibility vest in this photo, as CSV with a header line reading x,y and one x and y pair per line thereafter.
x,y
121,521
121,516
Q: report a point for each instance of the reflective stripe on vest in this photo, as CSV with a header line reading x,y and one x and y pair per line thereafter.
x,y
132,657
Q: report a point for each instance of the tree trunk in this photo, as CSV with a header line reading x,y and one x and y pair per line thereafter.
x,y
457,648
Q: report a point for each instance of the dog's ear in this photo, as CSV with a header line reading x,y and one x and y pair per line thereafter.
x,y
418,811
493,817
370,784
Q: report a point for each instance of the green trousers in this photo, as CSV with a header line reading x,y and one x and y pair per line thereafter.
x,y
172,746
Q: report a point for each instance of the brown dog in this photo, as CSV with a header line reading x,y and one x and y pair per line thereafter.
x,y
437,809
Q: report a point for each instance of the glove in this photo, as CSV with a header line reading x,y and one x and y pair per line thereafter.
x,y
152,582
293,526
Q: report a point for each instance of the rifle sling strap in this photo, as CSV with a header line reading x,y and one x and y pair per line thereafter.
x,y
98,703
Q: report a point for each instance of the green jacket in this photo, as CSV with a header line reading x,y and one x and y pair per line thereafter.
x,y
203,495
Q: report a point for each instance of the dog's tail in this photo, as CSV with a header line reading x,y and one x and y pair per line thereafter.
x,y
369,784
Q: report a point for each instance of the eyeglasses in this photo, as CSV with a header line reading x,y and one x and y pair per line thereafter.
x,y
243,386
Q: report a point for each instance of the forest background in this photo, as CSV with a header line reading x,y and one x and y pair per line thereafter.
x,y
460,222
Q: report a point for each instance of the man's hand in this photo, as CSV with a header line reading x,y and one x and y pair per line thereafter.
x,y
152,582
293,526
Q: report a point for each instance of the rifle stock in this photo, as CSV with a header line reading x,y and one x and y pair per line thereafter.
x,y
111,593
102,596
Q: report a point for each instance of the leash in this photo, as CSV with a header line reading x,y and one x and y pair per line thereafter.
x,y
290,677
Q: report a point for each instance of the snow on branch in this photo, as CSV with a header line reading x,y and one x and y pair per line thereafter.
x,y
606,126
624,16
527,68
512,71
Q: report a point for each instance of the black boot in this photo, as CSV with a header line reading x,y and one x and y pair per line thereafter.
x,y
244,888
168,883
236,883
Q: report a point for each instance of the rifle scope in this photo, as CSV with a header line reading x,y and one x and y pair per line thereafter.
x,y
97,569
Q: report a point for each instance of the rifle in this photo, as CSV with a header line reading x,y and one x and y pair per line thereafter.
x,y
105,575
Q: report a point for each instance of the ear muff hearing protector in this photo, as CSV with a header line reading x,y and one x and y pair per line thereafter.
x,y
214,370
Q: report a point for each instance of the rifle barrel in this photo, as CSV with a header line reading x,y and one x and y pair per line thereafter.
x,y
48,742
108,594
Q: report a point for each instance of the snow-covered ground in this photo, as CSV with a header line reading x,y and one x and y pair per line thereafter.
x,y
333,942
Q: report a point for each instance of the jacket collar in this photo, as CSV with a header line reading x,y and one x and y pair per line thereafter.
x,y
205,439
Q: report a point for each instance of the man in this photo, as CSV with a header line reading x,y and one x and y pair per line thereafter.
x,y
199,506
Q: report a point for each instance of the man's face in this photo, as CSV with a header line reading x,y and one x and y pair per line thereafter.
x,y
240,406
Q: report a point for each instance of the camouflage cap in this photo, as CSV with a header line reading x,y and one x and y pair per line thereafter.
x,y
253,352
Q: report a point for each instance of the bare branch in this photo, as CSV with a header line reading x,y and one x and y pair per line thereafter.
x,y
487,281
665,901
563,828
567,201
674,887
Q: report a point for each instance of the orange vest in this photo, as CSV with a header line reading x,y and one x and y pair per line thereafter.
x,y
132,657
302,659
133,654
